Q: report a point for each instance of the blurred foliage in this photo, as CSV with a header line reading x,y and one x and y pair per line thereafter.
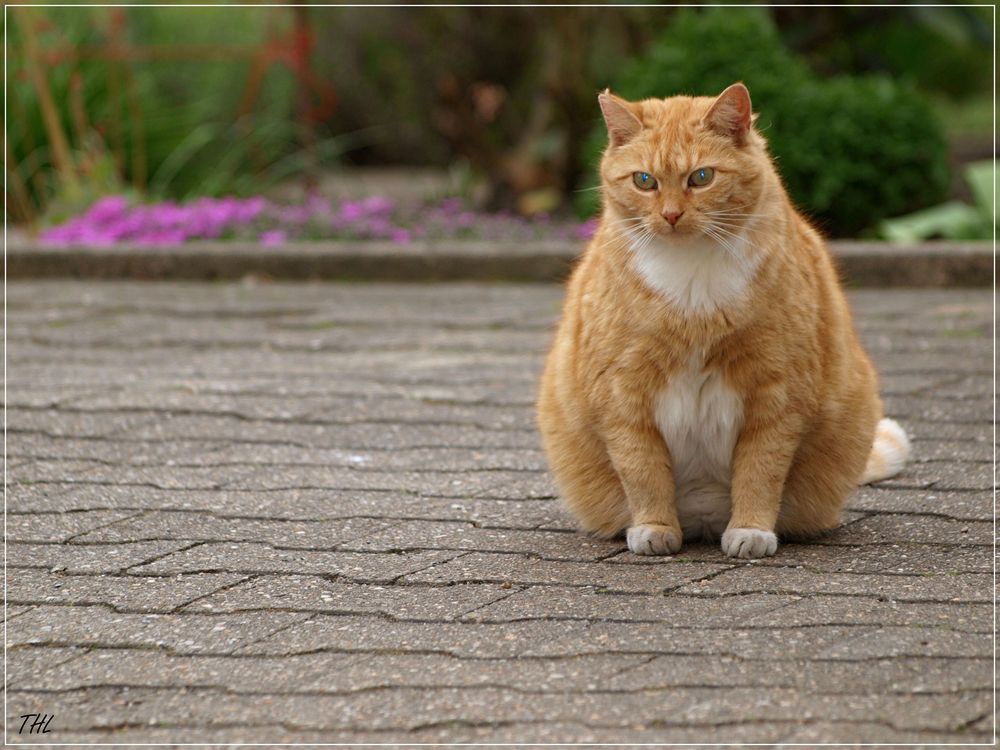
x,y
851,150
953,220
505,96
941,49
509,91
169,128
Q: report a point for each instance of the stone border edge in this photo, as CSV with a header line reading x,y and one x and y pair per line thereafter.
x,y
872,264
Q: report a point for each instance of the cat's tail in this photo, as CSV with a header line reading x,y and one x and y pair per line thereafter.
x,y
889,453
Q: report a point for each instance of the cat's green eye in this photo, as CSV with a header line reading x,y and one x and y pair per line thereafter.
x,y
644,180
701,177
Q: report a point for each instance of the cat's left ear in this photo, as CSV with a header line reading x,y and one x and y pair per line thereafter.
x,y
622,123
731,114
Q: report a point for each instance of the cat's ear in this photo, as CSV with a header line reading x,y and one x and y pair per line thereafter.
x,y
622,123
731,114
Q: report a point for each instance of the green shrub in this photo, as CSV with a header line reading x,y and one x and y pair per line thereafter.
x,y
852,151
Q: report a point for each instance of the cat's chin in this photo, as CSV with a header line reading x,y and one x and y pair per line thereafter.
x,y
683,237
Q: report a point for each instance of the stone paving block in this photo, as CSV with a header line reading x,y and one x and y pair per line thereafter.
x,y
931,641
902,675
952,431
123,593
58,527
26,664
88,558
499,568
407,459
316,594
209,527
42,497
902,529
943,475
352,436
872,733
428,483
971,506
965,386
932,449
548,545
188,633
410,411
185,401
818,609
371,634
74,424
294,505
20,395
182,453
169,477
53,471
164,477
768,643
321,673
944,675
261,558
13,611
901,588
104,667
974,362
932,409
581,604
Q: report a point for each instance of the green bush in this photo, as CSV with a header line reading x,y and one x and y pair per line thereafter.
x,y
851,150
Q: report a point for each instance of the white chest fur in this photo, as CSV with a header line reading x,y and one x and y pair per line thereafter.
x,y
698,276
700,417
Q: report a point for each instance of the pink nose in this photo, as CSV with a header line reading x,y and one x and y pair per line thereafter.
x,y
673,216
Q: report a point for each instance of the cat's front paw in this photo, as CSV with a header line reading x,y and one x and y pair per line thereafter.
x,y
653,539
749,543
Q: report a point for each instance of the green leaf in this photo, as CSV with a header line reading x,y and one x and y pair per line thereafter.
x,y
981,176
952,220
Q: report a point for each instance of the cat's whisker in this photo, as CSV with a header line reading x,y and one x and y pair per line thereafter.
x,y
723,236
626,220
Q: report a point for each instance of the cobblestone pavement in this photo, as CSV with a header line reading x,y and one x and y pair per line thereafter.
x,y
320,513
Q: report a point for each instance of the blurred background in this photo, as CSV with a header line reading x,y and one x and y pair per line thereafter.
x,y
167,124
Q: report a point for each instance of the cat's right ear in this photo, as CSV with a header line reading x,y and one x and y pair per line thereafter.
x,y
622,123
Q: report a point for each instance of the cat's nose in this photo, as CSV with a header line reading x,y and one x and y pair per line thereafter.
x,y
673,216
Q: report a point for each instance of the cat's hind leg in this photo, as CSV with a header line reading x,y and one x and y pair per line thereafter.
x,y
823,476
587,481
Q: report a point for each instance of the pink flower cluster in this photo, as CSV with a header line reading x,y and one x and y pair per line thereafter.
x,y
113,220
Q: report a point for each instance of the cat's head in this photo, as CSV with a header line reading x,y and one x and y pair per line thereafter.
x,y
685,167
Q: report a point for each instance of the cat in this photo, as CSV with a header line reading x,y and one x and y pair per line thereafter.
x,y
706,379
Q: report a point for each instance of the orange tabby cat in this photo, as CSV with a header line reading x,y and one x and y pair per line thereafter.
x,y
706,378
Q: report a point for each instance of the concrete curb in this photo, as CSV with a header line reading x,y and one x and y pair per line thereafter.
x,y
932,264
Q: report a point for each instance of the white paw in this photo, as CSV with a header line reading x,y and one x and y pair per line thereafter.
x,y
653,539
749,543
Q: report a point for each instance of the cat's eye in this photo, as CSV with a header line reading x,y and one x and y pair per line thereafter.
x,y
644,180
701,177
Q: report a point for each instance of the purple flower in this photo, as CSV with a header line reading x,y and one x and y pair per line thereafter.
x,y
351,211
107,209
376,205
